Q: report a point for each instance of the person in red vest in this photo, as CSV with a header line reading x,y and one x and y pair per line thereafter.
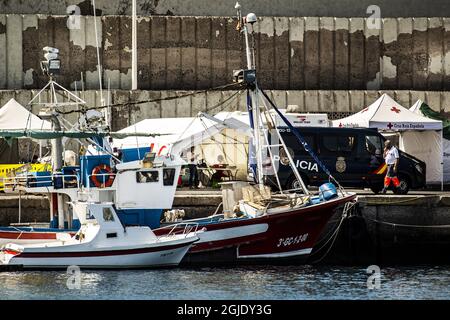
x,y
391,158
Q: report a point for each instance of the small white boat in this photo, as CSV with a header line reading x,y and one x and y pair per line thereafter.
x,y
103,242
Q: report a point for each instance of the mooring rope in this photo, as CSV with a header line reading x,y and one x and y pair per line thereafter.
x,y
345,214
408,225
395,202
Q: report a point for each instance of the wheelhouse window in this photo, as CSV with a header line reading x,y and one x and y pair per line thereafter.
x,y
147,176
168,176
107,214
339,143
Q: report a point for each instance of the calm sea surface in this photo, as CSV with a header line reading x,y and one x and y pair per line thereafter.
x,y
260,282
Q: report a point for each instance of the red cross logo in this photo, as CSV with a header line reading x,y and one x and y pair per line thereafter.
x,y
364,110
390,125
394,109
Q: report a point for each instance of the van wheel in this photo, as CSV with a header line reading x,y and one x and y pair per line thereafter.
x,y
404,186
376,188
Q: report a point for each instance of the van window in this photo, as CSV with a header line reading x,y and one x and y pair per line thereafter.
x,y
338,143
293,143
374,145
147,176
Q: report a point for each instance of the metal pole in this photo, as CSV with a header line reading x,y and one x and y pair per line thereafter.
x,y
20,205
99,66
134,49
60,211
442,159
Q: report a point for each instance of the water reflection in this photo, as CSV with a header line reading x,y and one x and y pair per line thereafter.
x,y
258,282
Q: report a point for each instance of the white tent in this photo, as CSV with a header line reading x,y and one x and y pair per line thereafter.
x,y
445,144
419,136
13,116
179,133
224,135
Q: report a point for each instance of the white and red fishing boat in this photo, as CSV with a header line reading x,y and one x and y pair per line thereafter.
x,y
103,242
257,225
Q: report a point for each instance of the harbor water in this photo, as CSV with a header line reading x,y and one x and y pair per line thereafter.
x,y
256,282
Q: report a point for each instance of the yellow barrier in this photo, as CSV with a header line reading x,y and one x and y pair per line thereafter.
x,y
10,170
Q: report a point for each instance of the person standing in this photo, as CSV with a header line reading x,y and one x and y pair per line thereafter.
x,y
193,173
391,158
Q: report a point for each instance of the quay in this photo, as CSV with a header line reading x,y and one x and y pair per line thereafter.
x,y
381,229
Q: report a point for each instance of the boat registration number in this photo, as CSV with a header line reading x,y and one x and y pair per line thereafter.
x,y
285,242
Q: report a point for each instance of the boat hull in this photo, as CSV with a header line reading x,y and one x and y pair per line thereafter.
x,y
143,257
278,238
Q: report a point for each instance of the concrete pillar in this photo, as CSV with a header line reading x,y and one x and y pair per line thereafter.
x,y
342,100
188,55
357,102
203,53
312,66
3,53
435,53
77,45
158,63
326,54
420,64
266,52
446,22
92,78
295,101
312,100
173,52
14,51
405,45
111,50
219,70
168,107
372,53
356,51
296,54
341,57
282,54
183,105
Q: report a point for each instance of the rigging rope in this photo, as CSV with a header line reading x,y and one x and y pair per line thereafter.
x,y
129,103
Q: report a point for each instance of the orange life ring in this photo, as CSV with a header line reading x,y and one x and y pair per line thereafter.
x,y
96,171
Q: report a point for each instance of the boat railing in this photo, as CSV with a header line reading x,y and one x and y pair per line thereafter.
x,y
56,180
181,228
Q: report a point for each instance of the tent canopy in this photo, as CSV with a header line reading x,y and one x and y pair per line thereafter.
x,y
419,136
422,108
180,133
14,117
386,114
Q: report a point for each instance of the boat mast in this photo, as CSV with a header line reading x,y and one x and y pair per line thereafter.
x,y
251,65
261,133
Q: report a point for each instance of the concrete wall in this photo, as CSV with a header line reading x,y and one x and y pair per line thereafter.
x,y
337,103
201,52
337,8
